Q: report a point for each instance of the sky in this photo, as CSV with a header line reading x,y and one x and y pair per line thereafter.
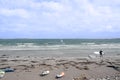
x,y
59,18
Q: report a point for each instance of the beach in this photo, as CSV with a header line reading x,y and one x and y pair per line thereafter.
x,y
74,59
30,66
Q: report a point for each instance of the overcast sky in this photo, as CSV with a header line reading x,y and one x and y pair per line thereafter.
x,y
59,18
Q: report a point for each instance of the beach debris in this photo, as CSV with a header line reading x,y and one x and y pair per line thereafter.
x,y
3,60
4,55
86,68
60,75
2,73
82,77
34,61
45,73
114,77
114,66
98,79
8,70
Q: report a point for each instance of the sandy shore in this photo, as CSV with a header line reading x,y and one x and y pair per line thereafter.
x,y
30,68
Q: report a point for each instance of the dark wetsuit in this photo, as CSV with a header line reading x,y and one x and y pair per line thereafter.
x,y
101,53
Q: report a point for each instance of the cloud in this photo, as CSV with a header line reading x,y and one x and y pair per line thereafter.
x,y
63,17
14,12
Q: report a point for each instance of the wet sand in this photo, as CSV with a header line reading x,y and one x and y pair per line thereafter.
x,y
75,68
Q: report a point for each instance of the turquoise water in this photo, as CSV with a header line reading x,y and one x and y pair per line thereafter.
x,y
38,42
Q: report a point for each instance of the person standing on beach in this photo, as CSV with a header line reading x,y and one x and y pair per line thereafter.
x,y
101,53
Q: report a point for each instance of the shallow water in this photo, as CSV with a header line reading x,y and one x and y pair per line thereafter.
x,y
76,51
59,47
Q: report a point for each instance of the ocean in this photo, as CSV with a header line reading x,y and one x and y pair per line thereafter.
x,y
59,47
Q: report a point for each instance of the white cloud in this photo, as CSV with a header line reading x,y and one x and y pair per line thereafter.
x,y
72,16
104,28
14,12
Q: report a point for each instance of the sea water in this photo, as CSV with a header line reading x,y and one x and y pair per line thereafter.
x,y
59,47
